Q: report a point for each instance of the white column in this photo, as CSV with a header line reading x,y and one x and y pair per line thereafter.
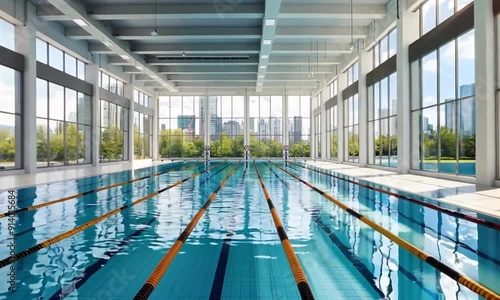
x,y
484,25
156,106
342,84
365,63
408,32
312,131
128,92
206,112
26,45
246,114
92,76
286,124
324,141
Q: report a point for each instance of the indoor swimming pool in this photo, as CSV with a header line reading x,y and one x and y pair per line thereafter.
x,y
112,231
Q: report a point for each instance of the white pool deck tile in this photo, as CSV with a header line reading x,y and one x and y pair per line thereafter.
x,y
48,176
455,193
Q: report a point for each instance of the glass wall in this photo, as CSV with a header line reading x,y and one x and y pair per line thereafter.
x,y
317,134
143,135
56,58
63,126
332,132
7,32
444,116
352,74
110,83
351,129
332,89
434,12
114,132
181,126
382,123
266,126
227,126
299,128
10,118
385,48
142,98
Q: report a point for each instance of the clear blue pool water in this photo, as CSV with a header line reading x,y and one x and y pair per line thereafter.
x,y
234,252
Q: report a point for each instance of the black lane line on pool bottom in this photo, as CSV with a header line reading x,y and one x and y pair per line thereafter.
x,y
220,273
356,261
76,283
92,269
351,257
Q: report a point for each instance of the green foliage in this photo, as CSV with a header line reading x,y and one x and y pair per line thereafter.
x,y
7,146
111,147
55,149
300,149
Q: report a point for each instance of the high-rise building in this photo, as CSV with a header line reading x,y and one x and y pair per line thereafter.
x,y
262,128
467,110
186,122
297,125
232,128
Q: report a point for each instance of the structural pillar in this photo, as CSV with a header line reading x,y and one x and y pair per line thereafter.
x,y
26,45
246,115
312,130
408,32
129,94
486,162
324,141
365,65
341,86
286,124
92,76
156,106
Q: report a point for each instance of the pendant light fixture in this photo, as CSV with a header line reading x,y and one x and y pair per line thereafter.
x,y
352,35
155,11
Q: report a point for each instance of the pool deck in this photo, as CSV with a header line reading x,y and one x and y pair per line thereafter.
x,y
448,191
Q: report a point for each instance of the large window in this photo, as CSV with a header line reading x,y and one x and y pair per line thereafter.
x,y
10,119
142,98
332,89
56,58
332,132
444,116
143,135
7,32
181,124
318,100
114,132
382,123
110,83
385,48
351,129
434,12
317,134
63,126
227,125
266,126
352,74
299,120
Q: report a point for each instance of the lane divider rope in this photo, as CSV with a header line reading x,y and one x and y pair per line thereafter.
x,y
293,261
12,259
165,262
463,279
432,206
35,207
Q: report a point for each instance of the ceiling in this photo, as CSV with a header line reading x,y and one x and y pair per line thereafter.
x,y
183,45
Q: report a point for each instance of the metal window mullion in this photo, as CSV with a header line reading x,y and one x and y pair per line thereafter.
x,y
457,142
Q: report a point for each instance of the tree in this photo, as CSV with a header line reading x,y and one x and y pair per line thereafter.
x,y
7,146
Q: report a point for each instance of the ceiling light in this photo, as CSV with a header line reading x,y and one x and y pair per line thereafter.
x,y
266,42
261,76
154,76
125,56
262,67
139,67
270,22
107,43
154,32
80,22
259,83
264,56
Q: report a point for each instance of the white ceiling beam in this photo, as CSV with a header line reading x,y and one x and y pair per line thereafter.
x,y
76,10
202,62
304,48
172,33
304,60
215,69
271,15
320,32
332,11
